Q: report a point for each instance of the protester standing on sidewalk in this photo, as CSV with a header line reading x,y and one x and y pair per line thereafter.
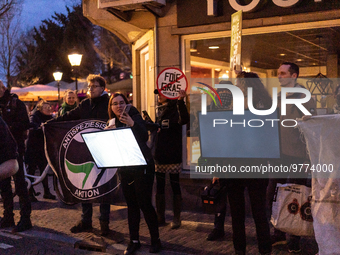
x,y
171,115
8,152
292,147
94,107
226,98
137,182
256,187
14,113
35,151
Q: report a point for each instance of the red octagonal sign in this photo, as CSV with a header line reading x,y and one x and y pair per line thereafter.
x,y
170,81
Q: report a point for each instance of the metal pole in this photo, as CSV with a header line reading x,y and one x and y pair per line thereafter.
x,y
76,85
58,93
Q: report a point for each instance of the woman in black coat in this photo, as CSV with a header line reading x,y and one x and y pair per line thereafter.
x,y
171,115
137,182
35,152
256,187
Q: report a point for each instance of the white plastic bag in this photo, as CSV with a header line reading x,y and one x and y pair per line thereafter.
x,y
321,133
291,210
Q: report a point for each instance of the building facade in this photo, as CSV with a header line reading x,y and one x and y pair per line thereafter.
x,y
194,36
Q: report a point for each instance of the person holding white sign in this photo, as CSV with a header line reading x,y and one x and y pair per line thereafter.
x,y
136,181
171,115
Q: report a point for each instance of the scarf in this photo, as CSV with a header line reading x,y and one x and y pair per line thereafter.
x,y
161,109
66,107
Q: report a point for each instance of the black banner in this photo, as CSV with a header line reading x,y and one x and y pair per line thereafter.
x,y
79,177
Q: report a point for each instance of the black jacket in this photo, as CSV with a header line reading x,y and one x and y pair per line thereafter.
x,y
35,143
90,108
168,146
140,132
13,111
8,147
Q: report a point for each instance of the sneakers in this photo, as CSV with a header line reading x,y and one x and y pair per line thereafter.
x,y
49,196
7,223
278,240
294,247
132,247
155,247
215,235
23,225
81,227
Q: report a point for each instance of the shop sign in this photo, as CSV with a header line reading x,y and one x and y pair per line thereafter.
x,y
235,44
217,11
170,81
255,3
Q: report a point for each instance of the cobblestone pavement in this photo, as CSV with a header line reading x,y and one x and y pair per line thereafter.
x,y
52,221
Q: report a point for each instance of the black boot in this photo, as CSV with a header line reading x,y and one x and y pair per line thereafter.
x,y
177,207
7,196
7,222
82,227
160,206
155,246
104,228
23,224
47,193
31,195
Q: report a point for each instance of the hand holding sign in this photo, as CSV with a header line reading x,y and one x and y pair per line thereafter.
x,y
170,82
182,94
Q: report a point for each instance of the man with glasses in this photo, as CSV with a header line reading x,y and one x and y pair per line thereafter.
x,y
95,107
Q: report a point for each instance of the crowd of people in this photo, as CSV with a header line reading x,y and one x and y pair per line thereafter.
x,y
164,157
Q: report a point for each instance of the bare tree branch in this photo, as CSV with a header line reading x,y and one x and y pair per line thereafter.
x,y
8,6
9,44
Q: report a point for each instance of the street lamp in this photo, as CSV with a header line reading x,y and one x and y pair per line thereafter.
x,y
75,60
57,76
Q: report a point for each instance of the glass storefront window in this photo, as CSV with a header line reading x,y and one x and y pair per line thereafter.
x,y
207,56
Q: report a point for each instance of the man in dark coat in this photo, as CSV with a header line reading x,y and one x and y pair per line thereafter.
x,y
293,147
8,152
14,113
94,107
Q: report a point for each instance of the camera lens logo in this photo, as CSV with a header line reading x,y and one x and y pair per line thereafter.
x,y
293,207
306,211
